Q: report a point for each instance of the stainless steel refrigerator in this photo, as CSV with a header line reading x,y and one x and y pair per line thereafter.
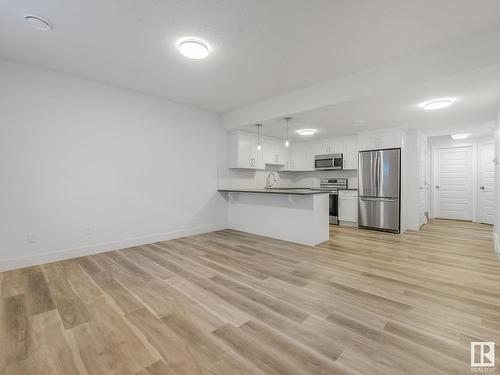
x,y
379,186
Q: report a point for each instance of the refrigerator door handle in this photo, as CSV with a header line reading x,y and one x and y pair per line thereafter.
x,y
379,199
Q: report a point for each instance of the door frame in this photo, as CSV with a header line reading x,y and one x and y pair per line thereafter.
x,y
481,144
427,185
434,178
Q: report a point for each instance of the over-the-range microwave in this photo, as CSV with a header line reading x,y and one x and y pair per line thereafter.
x,y
328,162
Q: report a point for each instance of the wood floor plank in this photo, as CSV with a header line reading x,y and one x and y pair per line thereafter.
x,y
210,357
38,296
15,319
49,352
168,344
229,302
71,308
108,345
255,352
295,352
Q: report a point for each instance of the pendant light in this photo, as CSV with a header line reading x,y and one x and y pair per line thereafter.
x,y
258,136
287,140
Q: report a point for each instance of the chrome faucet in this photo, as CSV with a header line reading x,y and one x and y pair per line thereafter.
x,y
268,180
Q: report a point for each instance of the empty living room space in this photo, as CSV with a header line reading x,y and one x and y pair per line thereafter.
x,y
283,187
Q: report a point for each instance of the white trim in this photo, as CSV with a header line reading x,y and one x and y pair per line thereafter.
x,y
434,177
32,260
479,210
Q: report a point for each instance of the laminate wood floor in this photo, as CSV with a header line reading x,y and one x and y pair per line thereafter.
x,y
234,303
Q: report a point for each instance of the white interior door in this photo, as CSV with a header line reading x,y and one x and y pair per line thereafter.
x,y
453,187
422,180
486,197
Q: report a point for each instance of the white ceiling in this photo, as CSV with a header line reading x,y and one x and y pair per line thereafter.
x,y
261,49
475,111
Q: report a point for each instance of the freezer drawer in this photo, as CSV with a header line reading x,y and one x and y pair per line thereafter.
x,y
379,213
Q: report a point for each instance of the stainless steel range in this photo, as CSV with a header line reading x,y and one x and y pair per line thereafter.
x,y
333,185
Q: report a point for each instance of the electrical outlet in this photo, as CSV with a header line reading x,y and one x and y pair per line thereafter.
x,y
30,238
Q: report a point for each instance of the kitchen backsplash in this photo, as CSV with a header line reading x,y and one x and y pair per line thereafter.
x,y
244,178
311,179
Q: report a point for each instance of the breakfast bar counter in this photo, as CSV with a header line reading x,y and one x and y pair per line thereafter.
x,y
296,215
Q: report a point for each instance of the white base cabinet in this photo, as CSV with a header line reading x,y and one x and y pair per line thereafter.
x,y
348,206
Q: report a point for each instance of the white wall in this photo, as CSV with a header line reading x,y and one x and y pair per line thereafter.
x,y
497,186
87,167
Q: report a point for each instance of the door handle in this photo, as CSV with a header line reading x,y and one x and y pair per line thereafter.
x,y
437,186
482,187
379,199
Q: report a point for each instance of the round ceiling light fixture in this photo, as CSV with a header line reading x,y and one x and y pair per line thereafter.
x,y
460,136
307,131
38,22
437,103
193,48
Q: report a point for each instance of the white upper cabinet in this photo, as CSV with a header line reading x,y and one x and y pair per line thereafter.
x,y
301,157
274,151
374,140
329,146
350,154
242,151
321,148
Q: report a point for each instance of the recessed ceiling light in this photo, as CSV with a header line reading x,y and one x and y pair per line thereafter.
x,y
437,103
193,48
460,136
37,22
307,131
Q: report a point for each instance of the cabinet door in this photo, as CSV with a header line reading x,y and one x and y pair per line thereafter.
x,y
309,157
322,148
391,139
351,152
281,153
348,206
244,149
336,146
268,151
254,154
297,157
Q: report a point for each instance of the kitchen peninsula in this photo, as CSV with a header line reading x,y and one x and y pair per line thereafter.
x,y
296,215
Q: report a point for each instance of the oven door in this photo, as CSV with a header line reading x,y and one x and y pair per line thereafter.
x,y
334,208
323,164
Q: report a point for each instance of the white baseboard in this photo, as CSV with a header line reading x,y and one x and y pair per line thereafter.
x,y
33,260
